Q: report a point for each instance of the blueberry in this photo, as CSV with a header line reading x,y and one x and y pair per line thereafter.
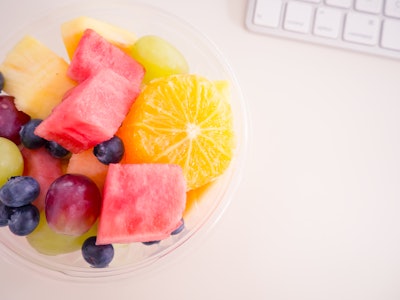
x,y
98,256
149,243
23,220
1,81
179,229
56,150
19,191
3,215
28,137
110,152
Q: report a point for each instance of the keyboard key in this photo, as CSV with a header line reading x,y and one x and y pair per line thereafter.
x,y
268,13
340,3
328,22
391,34
371,6
392,8
298,17
361,28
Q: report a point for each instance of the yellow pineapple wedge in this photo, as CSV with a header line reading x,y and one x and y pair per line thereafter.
x,y
72,31
35,76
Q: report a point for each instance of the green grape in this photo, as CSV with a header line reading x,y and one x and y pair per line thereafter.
x,y
11,161
158,57
46,241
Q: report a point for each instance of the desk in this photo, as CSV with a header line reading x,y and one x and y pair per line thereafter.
x,y
316,215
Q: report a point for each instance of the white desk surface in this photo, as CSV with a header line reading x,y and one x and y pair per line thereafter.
x,y
317,213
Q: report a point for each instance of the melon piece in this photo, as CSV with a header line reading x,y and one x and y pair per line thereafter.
x,y
72,32
141,203
36,77
42,166
87,164
94,53
90,113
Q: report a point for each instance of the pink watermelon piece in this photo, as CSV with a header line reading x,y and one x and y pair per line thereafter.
x,y
141,203
91,112
40,165
95,53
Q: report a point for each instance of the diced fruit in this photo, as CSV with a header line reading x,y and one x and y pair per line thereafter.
x,y
178,137
19,191
11,119
11,161
72,204
94,53
23,220
184,120
158,57
109,152
36,77
44,240
40,165
72,32
87,164
98,256
28,137
91,113
141,203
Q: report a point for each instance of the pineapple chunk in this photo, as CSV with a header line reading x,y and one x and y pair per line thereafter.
x,y
36,77
72,31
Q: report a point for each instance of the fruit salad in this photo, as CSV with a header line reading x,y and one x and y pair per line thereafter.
x,y
105,148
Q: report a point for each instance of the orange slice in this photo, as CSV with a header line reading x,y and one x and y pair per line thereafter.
x,y
181,119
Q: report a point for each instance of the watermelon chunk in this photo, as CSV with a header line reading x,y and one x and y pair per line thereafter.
x,y
90,113
44,168
95,53
141,203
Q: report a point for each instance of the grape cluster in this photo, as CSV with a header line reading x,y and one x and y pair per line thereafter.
x,y
73,201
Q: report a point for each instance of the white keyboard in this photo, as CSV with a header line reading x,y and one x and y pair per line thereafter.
x,y
369,26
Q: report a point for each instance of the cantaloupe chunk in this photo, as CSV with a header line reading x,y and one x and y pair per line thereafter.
x,y
86,163
36,77
72,32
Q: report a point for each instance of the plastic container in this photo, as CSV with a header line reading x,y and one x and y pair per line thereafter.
x,y
204,59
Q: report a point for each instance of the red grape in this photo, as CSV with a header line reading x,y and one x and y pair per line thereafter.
x,y
72,204
11,119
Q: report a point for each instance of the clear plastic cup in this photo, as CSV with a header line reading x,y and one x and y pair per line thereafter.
x,y
206,207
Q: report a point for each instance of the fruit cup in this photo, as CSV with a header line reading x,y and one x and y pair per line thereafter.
x,y
204,206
